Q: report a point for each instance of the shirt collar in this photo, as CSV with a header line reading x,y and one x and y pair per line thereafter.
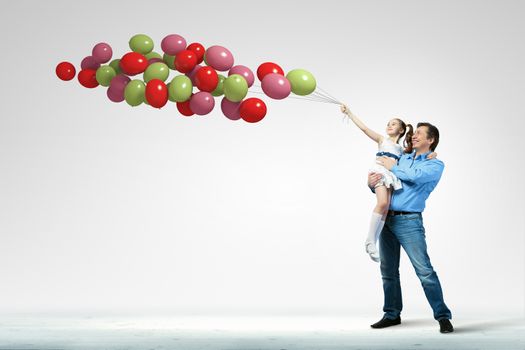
x,y
421,156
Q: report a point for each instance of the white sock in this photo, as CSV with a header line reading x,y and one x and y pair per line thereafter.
x,y
375,222
379,229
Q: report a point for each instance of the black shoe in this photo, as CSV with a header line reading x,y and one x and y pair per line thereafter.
x,y
386,322
445,326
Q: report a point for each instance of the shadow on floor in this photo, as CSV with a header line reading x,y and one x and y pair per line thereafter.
x,y
481,326
492,325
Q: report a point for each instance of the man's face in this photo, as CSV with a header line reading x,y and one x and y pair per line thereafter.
x,y
420,138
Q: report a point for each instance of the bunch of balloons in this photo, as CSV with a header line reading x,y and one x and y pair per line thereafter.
x,y
195,88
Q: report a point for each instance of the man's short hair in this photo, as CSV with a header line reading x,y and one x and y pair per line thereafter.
x,y
432,133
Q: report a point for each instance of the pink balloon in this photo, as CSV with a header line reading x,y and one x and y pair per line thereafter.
x,y
89,63
154,60
219,58
173,44
276,86
191,74
230,109
245,72
202,103
114,95
120,81
116,88
102,53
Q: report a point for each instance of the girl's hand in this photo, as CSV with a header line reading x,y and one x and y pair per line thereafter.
x,y
344,109
432,155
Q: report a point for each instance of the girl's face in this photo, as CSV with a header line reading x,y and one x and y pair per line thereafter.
x,y
393,128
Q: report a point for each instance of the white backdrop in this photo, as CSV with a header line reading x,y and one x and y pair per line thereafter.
x,y
113,208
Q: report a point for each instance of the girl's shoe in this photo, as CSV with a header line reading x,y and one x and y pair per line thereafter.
x,y
371,249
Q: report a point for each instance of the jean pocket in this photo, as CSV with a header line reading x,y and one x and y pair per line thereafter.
x,y
411,217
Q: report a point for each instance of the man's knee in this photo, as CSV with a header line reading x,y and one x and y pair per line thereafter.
x,y
426,275
389,272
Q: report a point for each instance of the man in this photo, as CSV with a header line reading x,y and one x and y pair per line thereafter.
x,y
404,228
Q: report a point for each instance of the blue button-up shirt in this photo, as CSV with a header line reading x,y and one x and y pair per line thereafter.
x,y
419,177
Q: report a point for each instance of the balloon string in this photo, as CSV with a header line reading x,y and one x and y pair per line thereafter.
x,y
298,97
311,97
320,95
333,98
325,95
304,98
315,94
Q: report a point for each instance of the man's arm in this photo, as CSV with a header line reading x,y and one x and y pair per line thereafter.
x,y
373,179
428,171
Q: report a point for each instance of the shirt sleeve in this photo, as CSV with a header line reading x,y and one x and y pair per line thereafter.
x,y
428,171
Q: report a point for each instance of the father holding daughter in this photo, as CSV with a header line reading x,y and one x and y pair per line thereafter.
x,y
402,224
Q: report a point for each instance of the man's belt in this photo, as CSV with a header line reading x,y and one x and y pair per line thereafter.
x,y
395,212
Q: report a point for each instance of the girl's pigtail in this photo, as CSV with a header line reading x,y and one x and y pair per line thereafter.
x,y
407,143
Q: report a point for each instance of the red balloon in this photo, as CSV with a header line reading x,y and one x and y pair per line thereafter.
x,y
87,78
184,108
185,61
133,63
156,93
267,68
65,71
198,49
206,79
252,110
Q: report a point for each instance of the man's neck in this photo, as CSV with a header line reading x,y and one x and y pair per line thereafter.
x,y
422,151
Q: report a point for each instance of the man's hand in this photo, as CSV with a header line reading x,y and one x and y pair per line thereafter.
x,y
373,179
387,162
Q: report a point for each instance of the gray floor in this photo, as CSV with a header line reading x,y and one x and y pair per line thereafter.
x,y
205,333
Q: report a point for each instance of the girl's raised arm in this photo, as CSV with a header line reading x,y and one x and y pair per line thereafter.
x,y
368,132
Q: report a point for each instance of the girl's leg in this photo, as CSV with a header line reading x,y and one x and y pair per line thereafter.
x,y
387,207
385,213
383,200
382,195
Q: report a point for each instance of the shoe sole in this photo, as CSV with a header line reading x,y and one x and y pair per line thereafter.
x,y
397,324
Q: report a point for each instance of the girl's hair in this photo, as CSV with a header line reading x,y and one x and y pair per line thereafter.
x,y
409,130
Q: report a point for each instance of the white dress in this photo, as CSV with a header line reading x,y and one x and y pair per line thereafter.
x,y
389,149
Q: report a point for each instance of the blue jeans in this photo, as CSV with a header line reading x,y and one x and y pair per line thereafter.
x,y
408,231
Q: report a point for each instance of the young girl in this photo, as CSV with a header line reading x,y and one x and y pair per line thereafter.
x,y
388,146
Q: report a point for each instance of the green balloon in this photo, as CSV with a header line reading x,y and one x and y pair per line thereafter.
x,y
134,92
169,60
219,90
104,75
141,43
180,89
153,54
170,98
235,87
115,64
302,82
157,70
